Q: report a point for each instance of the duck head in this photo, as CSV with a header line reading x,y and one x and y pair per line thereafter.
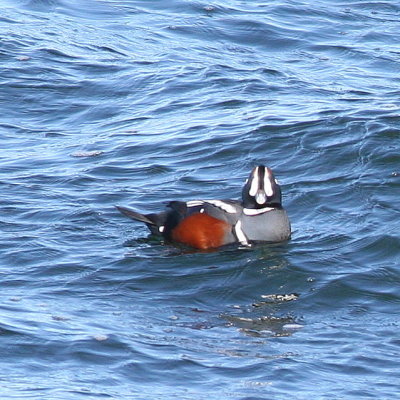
x,y
261,189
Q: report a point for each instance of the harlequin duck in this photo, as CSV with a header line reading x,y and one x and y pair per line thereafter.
x,y
207,224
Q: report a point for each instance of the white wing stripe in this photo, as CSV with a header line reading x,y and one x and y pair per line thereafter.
x,y
229,208
194,203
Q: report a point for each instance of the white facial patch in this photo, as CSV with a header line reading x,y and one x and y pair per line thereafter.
x,y
268,186
261,197
161,229
254,183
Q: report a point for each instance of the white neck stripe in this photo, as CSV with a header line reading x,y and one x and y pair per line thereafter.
x,y
254,211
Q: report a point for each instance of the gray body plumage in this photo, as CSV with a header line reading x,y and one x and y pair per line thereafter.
x,y
271,226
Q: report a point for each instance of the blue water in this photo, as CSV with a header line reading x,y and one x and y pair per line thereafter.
x,y
136,103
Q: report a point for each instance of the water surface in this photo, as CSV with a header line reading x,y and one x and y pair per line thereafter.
x,y
141,102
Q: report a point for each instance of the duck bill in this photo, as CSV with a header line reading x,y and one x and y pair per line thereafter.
x,y
260,197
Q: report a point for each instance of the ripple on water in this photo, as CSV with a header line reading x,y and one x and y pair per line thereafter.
x,y
139,104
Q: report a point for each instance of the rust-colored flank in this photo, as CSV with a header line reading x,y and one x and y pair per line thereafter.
x,y
201,231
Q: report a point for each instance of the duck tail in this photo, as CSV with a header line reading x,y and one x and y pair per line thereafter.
x,y
135,215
